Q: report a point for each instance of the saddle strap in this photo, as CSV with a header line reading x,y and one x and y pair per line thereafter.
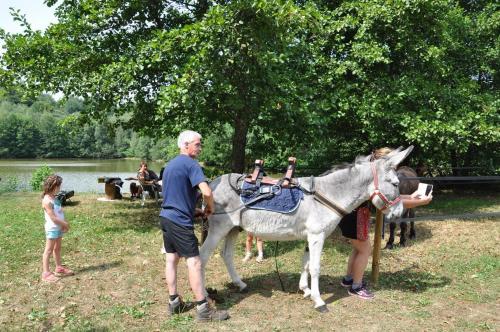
x,y
290,170
258,171
235,185
329,204
259,198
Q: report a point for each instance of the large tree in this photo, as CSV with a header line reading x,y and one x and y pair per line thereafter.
x,y
161,66
246,64
413,72
303,77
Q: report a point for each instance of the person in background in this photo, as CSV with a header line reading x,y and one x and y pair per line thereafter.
x,y
248,248
55,225
148,179
146,175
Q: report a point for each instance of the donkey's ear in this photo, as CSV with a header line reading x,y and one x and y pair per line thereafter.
x,y
397,158
394,152
362,159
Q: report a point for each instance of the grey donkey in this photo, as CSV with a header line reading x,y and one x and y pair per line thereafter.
x,y
348,186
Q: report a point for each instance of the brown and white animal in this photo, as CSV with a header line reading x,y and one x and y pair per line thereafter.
x,y
406,187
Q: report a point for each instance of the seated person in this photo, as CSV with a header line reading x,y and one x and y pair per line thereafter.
x,y
148,179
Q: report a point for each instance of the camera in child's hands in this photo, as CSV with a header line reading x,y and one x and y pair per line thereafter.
x,y
424,190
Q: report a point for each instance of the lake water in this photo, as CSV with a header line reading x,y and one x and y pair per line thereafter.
x,y
79,175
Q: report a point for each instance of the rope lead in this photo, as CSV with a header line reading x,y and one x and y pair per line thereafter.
x,y
276,263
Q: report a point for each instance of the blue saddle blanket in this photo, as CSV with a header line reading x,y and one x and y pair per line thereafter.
x,y
284,200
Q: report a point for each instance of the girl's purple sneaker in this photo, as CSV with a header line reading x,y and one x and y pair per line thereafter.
x,y
361,292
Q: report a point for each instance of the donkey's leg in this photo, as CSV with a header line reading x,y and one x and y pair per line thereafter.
x,y
403,226
215,234
315,242
304,276
402,236
413,235
390,242
228,255
411,214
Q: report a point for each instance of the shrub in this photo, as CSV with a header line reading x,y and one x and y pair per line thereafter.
x,y
9,185
39,176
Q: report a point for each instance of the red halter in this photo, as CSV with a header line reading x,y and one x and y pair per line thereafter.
x,y
377,192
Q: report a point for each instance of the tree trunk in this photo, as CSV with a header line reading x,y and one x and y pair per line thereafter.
x,y
201,8
239,144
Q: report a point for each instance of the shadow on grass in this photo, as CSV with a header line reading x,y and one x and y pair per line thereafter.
x,y
100,267
150,204
408,280
422,231
138,226
71,203
265,285
131,217
283,247
335,240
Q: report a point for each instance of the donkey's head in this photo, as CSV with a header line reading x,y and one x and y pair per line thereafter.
x,y
384,191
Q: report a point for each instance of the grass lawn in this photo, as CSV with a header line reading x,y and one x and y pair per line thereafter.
x,y
446,279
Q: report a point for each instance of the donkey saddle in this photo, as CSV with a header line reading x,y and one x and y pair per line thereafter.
x,y
258,191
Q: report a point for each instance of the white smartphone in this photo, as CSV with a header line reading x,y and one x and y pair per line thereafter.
x,y
424,189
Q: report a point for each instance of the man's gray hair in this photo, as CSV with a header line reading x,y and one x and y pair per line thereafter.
x,y
187,136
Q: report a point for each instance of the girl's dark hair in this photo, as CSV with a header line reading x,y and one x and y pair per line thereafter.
x,y
51,182
143,162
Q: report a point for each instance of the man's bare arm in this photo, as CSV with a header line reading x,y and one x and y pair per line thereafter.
x,y
207,198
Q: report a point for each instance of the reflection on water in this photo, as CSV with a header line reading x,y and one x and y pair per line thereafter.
x,y
79,175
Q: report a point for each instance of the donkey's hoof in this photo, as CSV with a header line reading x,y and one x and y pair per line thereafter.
x,y
389,246
244,290
322,309
211,291
413,236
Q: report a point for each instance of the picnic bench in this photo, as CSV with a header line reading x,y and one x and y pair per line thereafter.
x,y
112,187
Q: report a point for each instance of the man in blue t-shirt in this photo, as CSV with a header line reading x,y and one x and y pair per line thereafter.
x,y
181,179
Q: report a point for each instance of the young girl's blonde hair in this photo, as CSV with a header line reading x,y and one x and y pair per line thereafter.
x,y
379,153
51,182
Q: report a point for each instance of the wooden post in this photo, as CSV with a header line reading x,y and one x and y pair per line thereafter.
x,y
376,246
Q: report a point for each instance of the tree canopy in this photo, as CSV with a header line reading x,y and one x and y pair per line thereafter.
x,y
323,80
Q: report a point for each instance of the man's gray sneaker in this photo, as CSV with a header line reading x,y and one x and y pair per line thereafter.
x,y
178,306
204,313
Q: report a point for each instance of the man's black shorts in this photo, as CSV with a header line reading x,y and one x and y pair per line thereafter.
x,y
179,239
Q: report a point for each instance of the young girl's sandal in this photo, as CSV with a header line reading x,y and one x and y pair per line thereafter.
x,y
49,277
61,271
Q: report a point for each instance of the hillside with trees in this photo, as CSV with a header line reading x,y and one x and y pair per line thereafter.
x,y
44,128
